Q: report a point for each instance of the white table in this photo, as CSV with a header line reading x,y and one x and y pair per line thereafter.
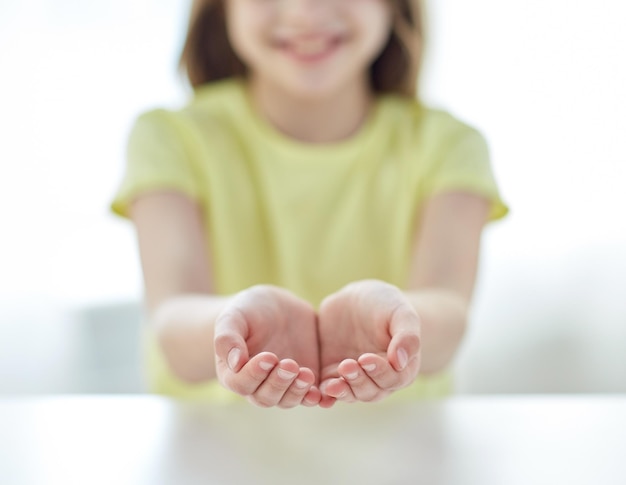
x,y
148,440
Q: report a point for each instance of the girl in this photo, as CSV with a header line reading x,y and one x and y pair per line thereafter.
x,y
308,229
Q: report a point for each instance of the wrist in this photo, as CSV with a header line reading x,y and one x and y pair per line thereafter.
x,y
443,315
184,327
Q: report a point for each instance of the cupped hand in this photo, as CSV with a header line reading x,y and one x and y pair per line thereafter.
x,y
266,348
369,342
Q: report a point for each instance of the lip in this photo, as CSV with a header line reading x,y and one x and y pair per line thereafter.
x,y
331,46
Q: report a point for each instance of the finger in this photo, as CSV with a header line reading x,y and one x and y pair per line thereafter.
x,y
231,331
327,402
299,388
251,375
313,397
362,386
404,328
338,389
272,390
382,373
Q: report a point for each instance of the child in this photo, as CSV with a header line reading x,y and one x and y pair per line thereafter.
x,y
308,230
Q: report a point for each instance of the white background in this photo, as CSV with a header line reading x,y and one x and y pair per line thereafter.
x,y
544,80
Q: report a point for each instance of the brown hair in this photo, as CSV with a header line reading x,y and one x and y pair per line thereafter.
x,y
208,56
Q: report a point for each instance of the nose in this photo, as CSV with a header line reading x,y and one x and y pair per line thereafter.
x,y
306,14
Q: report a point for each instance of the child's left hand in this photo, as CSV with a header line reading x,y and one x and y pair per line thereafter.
x,y
370,342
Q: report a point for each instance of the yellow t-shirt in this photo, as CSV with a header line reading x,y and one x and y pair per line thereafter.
x,y
306,217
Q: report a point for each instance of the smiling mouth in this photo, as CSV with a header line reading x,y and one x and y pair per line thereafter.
x,y
311,50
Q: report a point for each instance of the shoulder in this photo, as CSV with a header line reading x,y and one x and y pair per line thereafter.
x,y
447,129
216,102
212,109
430,126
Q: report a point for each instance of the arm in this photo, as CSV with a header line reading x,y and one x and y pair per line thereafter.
x,y
443,273
375,338
260,342
177,281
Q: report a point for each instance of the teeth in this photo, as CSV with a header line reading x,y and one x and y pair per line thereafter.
x,y
310,48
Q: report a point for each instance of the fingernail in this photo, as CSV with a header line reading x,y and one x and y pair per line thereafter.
x,y
285,374
352,376
266,365
403,358
369,367
233,358
301,384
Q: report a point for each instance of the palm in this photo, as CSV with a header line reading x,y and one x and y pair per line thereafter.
x,y
280,323
351,324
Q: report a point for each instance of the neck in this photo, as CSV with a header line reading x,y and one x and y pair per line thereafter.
x,y
316,119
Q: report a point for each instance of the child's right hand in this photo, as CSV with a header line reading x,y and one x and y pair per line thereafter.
x,y
263,348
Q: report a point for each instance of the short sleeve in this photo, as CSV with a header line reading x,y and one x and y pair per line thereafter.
x,y
464,164
156,159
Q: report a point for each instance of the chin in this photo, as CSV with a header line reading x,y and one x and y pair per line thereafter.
x,y
312,94
313,90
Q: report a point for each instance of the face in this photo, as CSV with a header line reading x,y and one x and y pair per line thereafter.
x,y
308,48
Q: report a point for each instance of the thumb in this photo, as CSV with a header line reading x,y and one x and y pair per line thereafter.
x,y
231,350
405,331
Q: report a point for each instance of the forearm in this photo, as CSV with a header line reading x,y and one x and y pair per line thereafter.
x,y
184,328
443,314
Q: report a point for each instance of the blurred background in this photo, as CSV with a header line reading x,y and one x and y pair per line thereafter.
x,y
544,80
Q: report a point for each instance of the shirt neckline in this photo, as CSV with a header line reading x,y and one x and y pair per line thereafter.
x,y
300,150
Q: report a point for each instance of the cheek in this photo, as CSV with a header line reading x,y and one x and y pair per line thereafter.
x,y
246,26
377,30
375,22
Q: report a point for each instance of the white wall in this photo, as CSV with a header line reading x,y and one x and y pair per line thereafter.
x,y
543,79
73,77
